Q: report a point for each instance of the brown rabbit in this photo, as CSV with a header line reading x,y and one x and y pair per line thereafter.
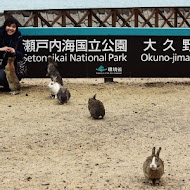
x,y
96,108
153,167
12,78
53,72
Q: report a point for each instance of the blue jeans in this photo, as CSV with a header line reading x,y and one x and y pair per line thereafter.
x,y
3,79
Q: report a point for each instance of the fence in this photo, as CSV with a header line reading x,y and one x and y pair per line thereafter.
x,y
128,17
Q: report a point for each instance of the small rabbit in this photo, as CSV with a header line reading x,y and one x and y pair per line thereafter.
x,y
54,88
153,167
11,76
96,108
63,95
53,72
59,92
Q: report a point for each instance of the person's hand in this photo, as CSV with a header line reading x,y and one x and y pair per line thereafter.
x,y
11,50
6,49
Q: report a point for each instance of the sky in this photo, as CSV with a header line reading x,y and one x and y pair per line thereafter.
x,y
84,4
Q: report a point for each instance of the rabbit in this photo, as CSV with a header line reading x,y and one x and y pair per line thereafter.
x,y
153,167
11,76
63,95
59,92
96,108
54,88
53,72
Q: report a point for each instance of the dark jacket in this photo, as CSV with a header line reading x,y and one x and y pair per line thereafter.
x,y
14,41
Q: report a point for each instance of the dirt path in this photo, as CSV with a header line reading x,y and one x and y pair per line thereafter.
x,y
44,145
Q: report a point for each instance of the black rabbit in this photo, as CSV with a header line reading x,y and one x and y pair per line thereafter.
x,y
96,108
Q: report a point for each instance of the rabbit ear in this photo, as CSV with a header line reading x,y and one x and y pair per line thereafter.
x,y
94,97
153,151
158,152
50,58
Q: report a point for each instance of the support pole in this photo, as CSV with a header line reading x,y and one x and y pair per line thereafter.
x,y
114,19
106,80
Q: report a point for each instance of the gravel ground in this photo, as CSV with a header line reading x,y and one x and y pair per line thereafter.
x,y
44,145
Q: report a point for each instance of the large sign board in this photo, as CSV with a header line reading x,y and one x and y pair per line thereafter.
x,y
108,52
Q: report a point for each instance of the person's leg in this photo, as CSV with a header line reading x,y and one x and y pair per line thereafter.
x,y
3,79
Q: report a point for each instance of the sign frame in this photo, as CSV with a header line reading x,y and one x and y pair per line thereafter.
x,y
133,69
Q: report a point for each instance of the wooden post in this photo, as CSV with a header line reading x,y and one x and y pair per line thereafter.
x,y
63,19
90,18
35,19
175,16
136,11
7,15
156,18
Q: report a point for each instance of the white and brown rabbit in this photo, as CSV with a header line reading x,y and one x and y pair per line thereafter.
x,y
54,88
53,72
11,76
63,95
96,108
153,167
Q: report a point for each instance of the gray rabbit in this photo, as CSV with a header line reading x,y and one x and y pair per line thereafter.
x,y
153,167
63,95
96,108
53,72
